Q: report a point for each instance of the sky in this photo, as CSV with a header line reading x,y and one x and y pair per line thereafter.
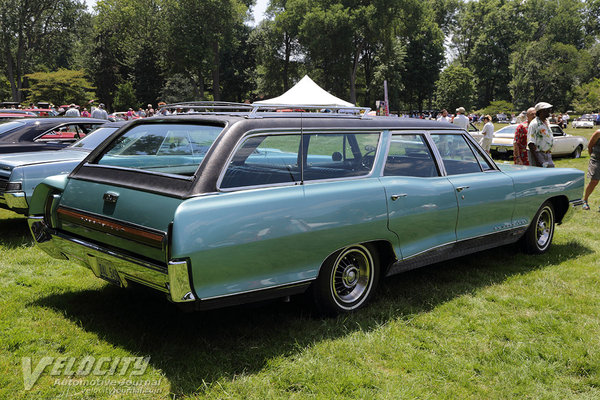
x,y
259,8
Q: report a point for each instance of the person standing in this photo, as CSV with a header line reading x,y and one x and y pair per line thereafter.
x,y
461,120
100,112
85,113
488,133
540,139
72,111
565,120
520,142
444,117
593,168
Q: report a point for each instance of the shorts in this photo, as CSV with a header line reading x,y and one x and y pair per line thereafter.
x,y
594,169
486,143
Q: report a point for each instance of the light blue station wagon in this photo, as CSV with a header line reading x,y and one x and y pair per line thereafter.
x,y
221,208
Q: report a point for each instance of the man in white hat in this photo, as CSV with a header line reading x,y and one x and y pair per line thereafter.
x,y
540,138
460,119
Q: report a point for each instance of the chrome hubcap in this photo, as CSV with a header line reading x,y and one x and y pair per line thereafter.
x,y
351,276
544,228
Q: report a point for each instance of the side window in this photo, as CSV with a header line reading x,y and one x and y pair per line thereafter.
x,y
263,160
339,155
409,155
556,131
274,159
456,154
485,165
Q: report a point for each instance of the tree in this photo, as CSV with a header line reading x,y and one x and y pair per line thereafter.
x,y
60,87
587,97
36,31
537,77
125,97
455,88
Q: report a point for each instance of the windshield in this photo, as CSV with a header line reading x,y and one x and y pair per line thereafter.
x,y
6,127
93,139
166,148
508,130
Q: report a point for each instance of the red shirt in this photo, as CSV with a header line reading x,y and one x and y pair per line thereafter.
x,y
520,140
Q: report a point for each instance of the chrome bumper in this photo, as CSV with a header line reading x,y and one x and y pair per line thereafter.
x,y
119,269
16,200
574,204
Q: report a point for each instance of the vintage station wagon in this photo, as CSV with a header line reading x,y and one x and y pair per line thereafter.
x,y
219,208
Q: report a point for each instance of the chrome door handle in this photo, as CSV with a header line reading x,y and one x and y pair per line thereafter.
x,y
461,188
395,197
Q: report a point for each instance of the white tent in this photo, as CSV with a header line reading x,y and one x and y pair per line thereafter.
x,y
307,93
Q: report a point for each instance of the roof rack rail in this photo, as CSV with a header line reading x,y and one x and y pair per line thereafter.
x,y
253,110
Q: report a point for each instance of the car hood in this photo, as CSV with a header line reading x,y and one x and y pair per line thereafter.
x,y
11,161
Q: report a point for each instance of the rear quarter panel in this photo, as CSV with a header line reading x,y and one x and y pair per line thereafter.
x,y
260,238
533,186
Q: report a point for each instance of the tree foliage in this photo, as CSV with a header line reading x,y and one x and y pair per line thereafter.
x,y
455,88
62,87
515,51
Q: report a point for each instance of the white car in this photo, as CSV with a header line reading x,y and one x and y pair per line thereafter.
x,y
564,145
583,122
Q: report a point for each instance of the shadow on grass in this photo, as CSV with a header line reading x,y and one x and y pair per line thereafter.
x,y
198,349
14,232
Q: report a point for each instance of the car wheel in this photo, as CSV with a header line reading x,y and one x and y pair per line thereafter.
x,y
538,237
347,280
577,152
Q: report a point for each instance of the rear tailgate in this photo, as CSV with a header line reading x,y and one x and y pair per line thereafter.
x,y
129,220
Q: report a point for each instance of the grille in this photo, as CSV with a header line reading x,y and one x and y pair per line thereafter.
x,y
3,183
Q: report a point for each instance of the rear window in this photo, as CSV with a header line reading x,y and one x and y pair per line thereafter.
x,y
6,127
165,148
93,139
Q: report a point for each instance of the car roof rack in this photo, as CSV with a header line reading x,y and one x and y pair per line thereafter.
x,y
249,110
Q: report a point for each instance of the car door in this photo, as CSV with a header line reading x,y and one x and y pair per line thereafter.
x,y
485,195
563,144
422,206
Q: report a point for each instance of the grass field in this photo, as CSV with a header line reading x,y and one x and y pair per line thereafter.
x,y
496,325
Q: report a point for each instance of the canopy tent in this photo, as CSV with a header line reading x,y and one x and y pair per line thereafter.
x,y
306,93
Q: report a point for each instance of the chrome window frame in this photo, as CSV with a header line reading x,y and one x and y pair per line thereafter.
x,y
430,146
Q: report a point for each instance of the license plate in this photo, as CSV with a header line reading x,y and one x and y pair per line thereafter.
x,y
108,272
501,149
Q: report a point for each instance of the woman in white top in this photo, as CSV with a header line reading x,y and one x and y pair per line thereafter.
x,y
488,133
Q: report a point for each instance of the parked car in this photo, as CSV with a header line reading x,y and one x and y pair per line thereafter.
x,y
16,111
37,134
564,144
20,173
9,116
585,121
42,112
225,208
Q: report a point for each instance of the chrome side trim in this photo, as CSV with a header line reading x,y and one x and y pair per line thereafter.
x,y
16,200
573,204
259,289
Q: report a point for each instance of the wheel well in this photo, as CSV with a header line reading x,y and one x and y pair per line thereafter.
x,y
385,253
561,206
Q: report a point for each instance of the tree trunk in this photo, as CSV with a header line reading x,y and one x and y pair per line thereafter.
x,y
215,72
286,64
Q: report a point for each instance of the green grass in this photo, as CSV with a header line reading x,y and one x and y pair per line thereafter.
x,y
497,325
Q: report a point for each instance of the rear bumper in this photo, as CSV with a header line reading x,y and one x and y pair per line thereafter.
x,y
120,269
501,148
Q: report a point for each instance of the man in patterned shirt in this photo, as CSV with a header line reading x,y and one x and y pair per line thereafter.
x,y
540,138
